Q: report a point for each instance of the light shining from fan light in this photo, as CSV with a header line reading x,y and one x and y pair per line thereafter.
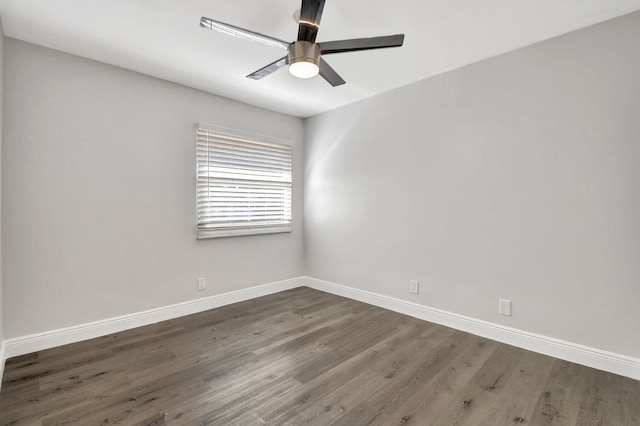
x,y
304,69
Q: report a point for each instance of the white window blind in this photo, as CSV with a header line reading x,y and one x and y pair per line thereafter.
x,y
243,184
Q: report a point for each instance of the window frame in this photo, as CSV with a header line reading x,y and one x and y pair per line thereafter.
x,y
245,228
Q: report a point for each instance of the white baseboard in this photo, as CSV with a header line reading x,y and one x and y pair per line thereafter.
x,y
596,358
591,357
49,339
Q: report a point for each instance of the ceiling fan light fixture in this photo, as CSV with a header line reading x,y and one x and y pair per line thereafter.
x,y
304,69
303,59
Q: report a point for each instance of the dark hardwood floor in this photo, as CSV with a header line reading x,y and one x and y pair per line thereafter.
x,y
306,357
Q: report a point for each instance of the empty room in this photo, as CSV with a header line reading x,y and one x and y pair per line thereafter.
x,y
310,212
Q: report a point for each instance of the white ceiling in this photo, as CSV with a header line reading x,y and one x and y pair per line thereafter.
x,y
163,38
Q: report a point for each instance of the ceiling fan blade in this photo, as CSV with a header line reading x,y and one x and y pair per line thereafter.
x,y
269,69
329,74
310,14
232,30
356,44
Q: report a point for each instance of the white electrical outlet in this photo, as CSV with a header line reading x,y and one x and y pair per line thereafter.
x,y
504,307
202,284
414,286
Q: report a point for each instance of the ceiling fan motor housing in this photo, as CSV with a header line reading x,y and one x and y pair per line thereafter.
x,y
304,51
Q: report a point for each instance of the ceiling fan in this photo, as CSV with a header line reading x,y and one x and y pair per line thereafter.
x,y
303,56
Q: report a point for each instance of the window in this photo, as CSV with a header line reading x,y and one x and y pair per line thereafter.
x,y
243,184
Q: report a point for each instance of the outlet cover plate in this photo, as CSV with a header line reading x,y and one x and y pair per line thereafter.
x,y
202,284
504,307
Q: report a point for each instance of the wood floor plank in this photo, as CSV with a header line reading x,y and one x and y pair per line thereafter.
x,y
559,403
405,383
333,406
306,357
627,392
281,410
484,388
343,351
516,405
435,396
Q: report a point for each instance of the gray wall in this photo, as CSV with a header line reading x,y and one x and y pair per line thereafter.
x,y
99,192
516,177
1,139
512,178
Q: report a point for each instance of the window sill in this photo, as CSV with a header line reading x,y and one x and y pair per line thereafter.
x,y
223,233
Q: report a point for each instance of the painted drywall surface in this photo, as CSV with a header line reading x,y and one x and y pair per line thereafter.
x,y
513,178
1,138
99,194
